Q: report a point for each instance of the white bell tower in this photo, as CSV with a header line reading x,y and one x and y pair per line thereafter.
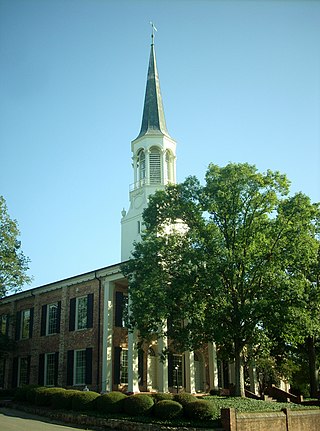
x,y
154,160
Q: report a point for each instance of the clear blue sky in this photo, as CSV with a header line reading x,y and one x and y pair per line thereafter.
x,y
240,82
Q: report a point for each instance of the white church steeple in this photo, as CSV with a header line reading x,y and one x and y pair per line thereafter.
x,y
154,160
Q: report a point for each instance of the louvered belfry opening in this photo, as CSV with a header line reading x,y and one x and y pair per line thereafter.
x,y
155,166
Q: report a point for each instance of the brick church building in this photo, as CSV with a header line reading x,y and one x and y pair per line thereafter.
x,y
71,333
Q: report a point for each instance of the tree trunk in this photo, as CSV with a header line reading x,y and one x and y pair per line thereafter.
x,y
239,377
313,377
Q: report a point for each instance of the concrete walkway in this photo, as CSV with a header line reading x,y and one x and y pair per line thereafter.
x,y
15,420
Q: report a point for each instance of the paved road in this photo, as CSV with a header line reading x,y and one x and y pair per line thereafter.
x,y
15,420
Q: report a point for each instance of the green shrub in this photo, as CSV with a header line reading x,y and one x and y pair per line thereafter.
x,y
63,399
7,393
111,402
160,396
199,410
184,398
138,405
31,393
167,409
21,393
43,396
84,400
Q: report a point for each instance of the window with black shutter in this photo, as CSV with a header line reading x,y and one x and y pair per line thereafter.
x,y
15,372
72,315
56,368
116,365
43,320
88,379
70,359
18,325
121,301
41,370
90,310
58,317
31,322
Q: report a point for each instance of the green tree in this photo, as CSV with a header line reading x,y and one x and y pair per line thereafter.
x,y
13,263
214,259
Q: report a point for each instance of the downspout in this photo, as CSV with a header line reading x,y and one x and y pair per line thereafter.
x,y
99,332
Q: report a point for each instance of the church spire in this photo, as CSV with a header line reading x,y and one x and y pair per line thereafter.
x,y
153,120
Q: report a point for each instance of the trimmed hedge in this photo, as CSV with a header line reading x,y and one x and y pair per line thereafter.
x,y
84,400
63,400
199,410
20,394
167,409
137,405
184,398
160,396
43,395
31,393
111,402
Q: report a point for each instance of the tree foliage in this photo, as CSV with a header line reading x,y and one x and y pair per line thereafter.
x,y
216,261
13,263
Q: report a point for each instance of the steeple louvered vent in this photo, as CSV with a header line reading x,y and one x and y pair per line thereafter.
x,y
155,166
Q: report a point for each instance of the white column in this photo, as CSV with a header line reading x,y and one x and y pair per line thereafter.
x,y
107,337
135,169
133,373
213,366
164,171
133,359
162,366
254,385
189,372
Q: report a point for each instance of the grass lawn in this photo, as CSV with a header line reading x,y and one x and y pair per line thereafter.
x,y
250,405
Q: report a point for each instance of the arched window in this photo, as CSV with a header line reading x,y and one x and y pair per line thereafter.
x,y
169,167
155,166
141,165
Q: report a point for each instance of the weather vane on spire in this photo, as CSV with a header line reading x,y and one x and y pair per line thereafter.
x,y
153,29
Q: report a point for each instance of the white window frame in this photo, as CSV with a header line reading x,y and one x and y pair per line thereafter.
x,y
25,320
48,331
79,327
124,367
21,381
77,382
177,360
49,359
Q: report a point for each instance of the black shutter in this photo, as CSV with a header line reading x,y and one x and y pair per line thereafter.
x,y
41,370
88,377
18,325
116,365
140,366
56,368
31,322
28,369
58,317
70,361
119,309
15,372
72,317
43,320
90,310
170,369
